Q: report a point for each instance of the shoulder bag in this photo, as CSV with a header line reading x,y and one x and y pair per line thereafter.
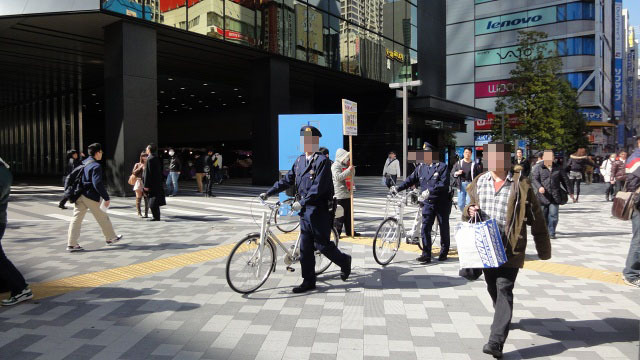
x,y
622,207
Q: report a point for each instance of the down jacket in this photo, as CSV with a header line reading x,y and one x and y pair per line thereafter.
x,y
551,181
339,176
578,163
618,171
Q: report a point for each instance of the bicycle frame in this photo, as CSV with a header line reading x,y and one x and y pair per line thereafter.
x,y
266,233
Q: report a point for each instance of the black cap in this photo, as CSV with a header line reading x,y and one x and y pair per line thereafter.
x,y
427,146
310,129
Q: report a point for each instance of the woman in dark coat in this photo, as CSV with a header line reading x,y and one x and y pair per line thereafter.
x,y
152,180
576,166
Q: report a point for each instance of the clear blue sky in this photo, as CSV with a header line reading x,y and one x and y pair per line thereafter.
x,y
634,10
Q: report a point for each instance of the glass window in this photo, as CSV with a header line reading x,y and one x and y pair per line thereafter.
x,y
414,15
414,37
574,11
588,45
301,30
401,23
561,12
331,48
562,47
239,22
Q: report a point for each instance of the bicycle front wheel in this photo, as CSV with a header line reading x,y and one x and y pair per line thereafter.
x,y
248,268
287,222
322,263
386,242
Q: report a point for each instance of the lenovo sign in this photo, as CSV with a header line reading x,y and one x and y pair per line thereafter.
x,y
516,21
493,88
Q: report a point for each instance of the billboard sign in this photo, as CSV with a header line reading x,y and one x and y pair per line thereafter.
x,y
511,54
482,139
487,124
515,21
488,89
349,118
617,76
592,114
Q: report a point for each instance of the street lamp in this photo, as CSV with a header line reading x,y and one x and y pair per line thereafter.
x,y
405,114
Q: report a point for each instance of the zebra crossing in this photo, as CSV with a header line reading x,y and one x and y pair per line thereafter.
x,y
233,203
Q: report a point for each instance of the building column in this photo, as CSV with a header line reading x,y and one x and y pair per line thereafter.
x,y
270,98
131,121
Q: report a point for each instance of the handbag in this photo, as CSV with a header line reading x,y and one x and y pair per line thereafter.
x,y
622,207
480,244
132,179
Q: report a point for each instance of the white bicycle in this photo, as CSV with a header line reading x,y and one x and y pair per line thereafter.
x,y
254,258
391,231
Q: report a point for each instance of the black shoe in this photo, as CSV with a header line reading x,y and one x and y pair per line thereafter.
x,y
443,256
344,273
153,219
304,287
553,237
61,206
356,234
494,349
425,259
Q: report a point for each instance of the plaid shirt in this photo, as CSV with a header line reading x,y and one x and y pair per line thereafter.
x,y
493,205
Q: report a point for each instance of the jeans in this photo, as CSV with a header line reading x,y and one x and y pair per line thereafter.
x,y
172,183
610,191
9,275
632,268
551,215
463,197
619,186
500,282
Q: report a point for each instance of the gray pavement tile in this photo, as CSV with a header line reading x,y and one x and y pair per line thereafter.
x,y
302,337
87,334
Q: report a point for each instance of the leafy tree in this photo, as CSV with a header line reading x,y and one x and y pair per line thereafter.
x,y
544,102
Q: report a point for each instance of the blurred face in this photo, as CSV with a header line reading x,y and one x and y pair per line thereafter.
x,y
497,157
467,155
548,158
392,156
98,155
519,153
423,157
623,155
309,143
74,155
612,157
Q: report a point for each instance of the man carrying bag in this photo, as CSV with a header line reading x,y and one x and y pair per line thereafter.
x,y
510,201
630,207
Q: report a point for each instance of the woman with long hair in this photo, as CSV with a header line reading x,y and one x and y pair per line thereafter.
x,y
576,166
138,168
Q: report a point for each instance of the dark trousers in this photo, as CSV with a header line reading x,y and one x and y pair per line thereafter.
x,y
210,180
430,212
500,282
344,220
575,182
9,275
155,207
610,193
619,186
315,231
391,180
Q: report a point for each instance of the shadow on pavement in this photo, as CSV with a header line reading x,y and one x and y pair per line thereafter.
x,y
579,333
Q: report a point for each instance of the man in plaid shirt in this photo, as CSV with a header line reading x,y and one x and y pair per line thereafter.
x,y
504,196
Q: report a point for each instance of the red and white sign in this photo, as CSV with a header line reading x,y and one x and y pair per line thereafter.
x,y
487,124
493,88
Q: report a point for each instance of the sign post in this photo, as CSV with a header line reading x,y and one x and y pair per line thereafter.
x,y
350,128
405,115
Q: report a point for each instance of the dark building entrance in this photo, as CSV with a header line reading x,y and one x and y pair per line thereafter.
x,y
71,79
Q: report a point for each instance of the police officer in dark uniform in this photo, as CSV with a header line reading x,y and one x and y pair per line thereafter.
x,y
432,176
311,177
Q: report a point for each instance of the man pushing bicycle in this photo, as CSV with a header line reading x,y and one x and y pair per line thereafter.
x,y
432,175
311,177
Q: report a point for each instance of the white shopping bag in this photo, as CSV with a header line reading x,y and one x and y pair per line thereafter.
x,y
480,245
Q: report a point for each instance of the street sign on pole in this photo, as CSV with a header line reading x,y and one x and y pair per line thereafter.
x,y
350,128
405,115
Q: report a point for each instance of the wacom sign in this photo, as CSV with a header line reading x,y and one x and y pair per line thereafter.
x,y
516,21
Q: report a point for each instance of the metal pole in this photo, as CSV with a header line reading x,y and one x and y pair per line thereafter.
x,y
502,128
405,107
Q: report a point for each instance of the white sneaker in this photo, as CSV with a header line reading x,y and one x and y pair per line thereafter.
x,y
24,295
634,283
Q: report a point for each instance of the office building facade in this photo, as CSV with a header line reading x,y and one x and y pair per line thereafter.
x,y
482,37
214,73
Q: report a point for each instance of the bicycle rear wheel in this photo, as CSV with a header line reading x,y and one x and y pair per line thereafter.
x,y
322,263
287,222
386,242
435,231
248,268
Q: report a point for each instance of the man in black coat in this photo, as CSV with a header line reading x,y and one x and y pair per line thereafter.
x,y
152,180
549,181
75,160
520,160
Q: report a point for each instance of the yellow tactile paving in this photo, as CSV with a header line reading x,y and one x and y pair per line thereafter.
x,y
104,277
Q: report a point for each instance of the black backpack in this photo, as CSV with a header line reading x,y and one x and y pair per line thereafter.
x,y
73,186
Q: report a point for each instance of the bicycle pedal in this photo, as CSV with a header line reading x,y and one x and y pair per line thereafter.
x,y
290,269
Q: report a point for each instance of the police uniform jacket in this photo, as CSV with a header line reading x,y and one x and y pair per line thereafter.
x,y
313,182
434,177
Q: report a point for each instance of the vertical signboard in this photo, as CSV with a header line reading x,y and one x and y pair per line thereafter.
x,y
617,66
350,128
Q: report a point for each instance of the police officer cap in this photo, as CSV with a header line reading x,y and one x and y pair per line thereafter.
x,y
427,146
308,129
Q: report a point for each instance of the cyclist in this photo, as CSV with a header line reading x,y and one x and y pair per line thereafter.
x,y
431,175
311,177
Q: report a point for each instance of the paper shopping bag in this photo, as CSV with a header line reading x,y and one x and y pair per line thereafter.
x,y
480,245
